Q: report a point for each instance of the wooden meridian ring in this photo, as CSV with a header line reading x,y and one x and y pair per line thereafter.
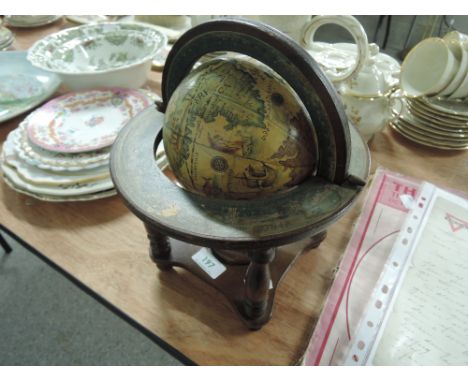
x,y
290,61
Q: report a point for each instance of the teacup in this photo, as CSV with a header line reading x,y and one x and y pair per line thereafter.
x,y
459,86
428,68
455,35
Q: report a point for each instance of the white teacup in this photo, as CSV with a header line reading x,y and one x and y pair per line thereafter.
x,y
428,68
461,55
459,86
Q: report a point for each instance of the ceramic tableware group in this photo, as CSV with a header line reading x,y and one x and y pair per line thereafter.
x,y
60,152
438,123
437,67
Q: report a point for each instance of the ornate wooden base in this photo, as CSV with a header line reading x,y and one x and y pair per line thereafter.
x,y
249,284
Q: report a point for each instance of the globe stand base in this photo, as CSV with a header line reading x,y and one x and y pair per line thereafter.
x,y
249,284
258,230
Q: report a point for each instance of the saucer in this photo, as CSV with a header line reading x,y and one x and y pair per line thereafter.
x,y
422,140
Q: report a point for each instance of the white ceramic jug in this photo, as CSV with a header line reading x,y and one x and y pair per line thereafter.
x,y
363,77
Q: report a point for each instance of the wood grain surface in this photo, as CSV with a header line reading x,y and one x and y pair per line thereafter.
x,y
103,245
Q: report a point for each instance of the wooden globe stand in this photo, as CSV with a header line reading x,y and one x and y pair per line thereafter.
x,y
240,238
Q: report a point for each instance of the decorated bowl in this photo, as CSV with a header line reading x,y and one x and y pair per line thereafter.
x,y
97,55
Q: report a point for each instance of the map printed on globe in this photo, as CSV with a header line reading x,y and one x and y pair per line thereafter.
x,y
234,129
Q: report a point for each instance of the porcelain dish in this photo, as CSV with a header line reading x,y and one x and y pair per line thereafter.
x,y
48,160
22,86
84,121
97,55
36,175
71,189
62,199
432,122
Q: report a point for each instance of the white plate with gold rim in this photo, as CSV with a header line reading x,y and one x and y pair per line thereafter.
x,y
433,134
424,140
450,107
448,123
452,119
407,113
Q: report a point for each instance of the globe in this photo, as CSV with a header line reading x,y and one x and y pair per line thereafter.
x,y
234,129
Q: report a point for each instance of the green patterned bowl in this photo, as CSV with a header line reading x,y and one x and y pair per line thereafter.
x,y
96,55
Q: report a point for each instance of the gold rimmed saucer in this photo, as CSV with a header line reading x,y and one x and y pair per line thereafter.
x,y
443,123
424,140
451,107
457,115
432,134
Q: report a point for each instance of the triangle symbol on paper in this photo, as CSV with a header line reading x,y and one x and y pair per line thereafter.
x,y
456,224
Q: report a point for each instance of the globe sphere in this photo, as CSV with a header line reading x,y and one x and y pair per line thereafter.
x,y
234,129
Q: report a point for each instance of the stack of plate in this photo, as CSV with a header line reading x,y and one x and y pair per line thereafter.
x,y
26,21
60,152
434,122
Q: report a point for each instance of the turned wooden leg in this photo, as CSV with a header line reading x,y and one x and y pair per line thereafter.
x,y
258,282
316,240
160,248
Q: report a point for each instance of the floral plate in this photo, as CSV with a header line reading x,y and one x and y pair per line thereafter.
x,y
84,121
48,160
22,86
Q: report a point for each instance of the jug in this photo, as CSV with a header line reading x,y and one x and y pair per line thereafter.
x,y
364,78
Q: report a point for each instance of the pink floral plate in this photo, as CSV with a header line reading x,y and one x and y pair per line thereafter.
x,y
84,121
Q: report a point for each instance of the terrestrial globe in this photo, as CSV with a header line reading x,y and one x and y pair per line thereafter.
x,y
234,129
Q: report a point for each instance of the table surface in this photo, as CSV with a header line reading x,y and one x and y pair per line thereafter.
x,y
104,246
